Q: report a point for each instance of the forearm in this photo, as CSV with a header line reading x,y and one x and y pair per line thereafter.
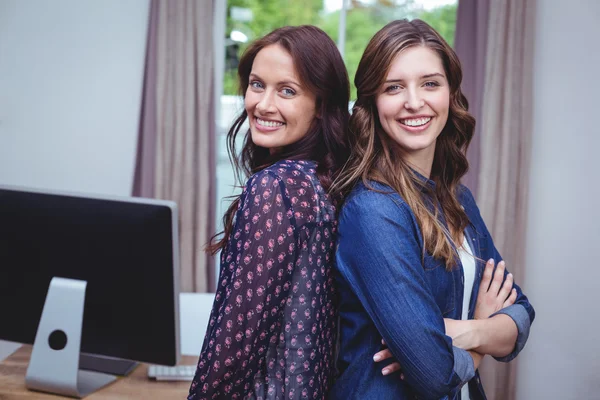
x,y
495,336
477,358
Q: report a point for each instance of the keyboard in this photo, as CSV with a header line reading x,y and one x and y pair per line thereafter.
x,y
176,373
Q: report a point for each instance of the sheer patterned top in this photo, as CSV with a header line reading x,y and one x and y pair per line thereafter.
x,y
272,330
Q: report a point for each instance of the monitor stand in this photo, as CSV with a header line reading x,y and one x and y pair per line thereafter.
x,y
109,365
54,363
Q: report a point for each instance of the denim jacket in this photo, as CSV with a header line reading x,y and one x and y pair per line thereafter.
x,y
391,289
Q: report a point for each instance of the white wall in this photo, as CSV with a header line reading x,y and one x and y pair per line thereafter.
x,y
71,75
562,357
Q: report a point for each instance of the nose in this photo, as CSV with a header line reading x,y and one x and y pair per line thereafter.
x,y
266,104
414,101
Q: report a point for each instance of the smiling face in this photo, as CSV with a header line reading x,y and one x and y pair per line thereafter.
x,y
280,109
413,103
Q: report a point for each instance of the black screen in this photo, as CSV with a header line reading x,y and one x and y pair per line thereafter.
x,y
121,248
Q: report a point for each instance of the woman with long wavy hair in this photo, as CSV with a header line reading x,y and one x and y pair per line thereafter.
x,y
416,292
273,324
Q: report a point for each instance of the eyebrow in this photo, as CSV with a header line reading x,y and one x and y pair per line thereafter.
x,y
422,77
279,83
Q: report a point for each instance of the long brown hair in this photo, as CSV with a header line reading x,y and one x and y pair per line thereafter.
x,y
375,156
322,71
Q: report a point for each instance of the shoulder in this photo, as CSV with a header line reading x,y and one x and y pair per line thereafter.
x,y
289,173
263,186
374,201
373,193
375,215
296,174
467,200
284,173
464,194
299,186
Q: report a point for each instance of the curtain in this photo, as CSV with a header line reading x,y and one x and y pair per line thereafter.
x,y
176,141
470,44
495,43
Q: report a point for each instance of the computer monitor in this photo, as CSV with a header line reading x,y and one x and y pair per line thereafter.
x,y
125,250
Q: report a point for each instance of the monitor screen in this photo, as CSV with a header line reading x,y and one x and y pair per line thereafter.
x,y
125,248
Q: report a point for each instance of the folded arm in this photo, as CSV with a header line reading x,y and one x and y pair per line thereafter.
x,y
500,332
486,334
379,254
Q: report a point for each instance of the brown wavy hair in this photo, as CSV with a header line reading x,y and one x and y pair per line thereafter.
x,y
377,157
322,71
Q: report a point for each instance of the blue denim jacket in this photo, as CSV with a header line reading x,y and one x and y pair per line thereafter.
x,y
389,290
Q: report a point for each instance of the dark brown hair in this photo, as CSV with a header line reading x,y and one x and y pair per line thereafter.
x,y
322,71
375,154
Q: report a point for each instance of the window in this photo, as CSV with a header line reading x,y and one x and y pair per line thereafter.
x,y
350,23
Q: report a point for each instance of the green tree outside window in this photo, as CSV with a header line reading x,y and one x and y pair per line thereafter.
x,y
363,19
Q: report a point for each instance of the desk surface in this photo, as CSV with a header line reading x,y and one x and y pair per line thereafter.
x,y
135,386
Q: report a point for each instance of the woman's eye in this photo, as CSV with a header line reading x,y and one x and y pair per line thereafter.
x,y
256,85
288,92
431,84
392,88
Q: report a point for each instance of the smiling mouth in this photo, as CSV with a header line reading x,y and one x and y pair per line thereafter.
x,y
268,124
415,122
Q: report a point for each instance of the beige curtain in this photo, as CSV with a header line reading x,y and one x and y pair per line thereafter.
x,y
505,129
176,142
470,43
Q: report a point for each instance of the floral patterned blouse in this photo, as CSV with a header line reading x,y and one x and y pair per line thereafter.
x,y
272,327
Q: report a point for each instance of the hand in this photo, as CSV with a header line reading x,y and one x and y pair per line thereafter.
x,y
477,358
384,355
493,294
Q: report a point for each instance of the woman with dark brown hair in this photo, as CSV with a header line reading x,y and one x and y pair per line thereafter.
x,y
273,326
412,244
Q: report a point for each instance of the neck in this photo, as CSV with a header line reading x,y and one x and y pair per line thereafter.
x,y
421,161
274,150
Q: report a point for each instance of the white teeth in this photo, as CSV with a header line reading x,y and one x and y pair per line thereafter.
x,y
270,124
415,121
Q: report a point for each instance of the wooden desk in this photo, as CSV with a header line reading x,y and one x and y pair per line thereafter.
x,y
135,386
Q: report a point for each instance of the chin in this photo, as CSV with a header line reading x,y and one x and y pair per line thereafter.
x,y
413,148
412,145
261,140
